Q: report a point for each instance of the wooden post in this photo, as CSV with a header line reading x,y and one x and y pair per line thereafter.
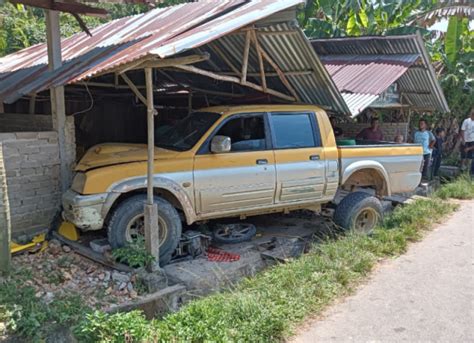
x,y
5,223
58,107
31,106
245,60
151,209
190,102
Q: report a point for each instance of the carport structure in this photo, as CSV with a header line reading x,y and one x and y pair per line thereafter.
x,y
390,71
228,49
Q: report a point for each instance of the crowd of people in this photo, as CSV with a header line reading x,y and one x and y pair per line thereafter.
x,y
432,143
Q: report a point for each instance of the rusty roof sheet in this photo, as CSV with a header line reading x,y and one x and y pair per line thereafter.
x,y
369,74
366,66
164,32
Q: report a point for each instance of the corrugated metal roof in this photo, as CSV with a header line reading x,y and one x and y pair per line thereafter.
x,y
357,102
165,32
369,65
369,74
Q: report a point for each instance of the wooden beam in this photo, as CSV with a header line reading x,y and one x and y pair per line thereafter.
x,y
260,61
166,62
280,73
134,88
271,74
5,220
234,80
245,61
225,59
152,237
71,7
58,108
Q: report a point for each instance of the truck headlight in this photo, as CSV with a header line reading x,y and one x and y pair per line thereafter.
x,y
79,182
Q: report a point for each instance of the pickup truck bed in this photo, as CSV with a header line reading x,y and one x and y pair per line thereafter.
x,y
398,164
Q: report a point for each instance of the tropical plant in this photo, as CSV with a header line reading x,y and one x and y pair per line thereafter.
x,y
326,18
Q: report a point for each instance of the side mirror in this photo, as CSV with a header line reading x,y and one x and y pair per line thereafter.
x,y
220,144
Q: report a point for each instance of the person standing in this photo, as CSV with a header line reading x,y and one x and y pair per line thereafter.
x,y
438,150
338,133
427,140
372,133
467,138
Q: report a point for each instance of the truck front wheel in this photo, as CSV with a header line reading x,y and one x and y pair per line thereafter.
x,y
359,212
127,224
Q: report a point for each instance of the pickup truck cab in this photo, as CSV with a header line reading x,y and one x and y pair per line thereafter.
x,y
237,162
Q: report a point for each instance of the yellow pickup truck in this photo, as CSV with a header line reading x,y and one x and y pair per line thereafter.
x,y
236,162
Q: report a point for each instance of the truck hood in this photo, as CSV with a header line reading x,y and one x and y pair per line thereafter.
x,y
110,154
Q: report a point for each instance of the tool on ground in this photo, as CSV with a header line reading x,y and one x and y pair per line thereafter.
x,y
69,231
218,255
38,243
191,245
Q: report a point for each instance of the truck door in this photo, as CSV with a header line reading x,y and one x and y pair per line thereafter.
x,y
241,178
299,156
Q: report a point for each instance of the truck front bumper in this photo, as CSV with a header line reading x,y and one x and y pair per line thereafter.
x,y
84,211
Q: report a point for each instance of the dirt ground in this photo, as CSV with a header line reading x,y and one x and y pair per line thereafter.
x,y
58,269
425,295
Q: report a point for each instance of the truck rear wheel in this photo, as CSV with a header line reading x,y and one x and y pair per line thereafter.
x,y
359,212
127,224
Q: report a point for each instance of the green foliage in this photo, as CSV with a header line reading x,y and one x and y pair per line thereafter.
x,y
266,307
26,315
324,18
21,27
452,43
134,254
119,327
462,188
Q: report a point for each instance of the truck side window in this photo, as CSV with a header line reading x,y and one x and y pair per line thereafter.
x,y
294,130
247,133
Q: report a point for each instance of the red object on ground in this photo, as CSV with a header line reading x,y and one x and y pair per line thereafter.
x,y
218,255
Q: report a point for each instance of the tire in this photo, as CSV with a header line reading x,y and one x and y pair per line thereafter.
x,y
356,208
233,233
119,232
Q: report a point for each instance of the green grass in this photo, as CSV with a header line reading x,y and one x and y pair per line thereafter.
x,y
267,307
461,188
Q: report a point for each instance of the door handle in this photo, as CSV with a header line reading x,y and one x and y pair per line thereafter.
x,y
314,158
262,161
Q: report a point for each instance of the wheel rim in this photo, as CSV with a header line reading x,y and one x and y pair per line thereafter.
x,y
136,229
233,231
366,220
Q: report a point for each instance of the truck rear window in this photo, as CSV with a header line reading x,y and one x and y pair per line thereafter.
x,y
292,130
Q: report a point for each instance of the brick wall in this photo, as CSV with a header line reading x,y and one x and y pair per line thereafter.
x,y
31,163
390,130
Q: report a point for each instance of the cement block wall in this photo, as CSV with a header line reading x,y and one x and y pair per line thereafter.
x,y
16,122
31,163
390,130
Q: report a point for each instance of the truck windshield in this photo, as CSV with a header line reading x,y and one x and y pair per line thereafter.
x,y
185,133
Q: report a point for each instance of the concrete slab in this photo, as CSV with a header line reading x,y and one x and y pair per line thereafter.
x,y
202,277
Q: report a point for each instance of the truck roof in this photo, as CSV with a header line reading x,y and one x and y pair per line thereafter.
x,y
226,110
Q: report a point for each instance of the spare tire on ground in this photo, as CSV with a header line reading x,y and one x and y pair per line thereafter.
x,y
233,233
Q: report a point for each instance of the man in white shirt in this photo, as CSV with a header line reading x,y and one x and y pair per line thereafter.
x,y
467,138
